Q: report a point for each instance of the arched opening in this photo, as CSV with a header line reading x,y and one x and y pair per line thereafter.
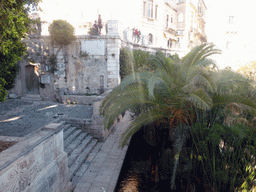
x,y
101,84
150,38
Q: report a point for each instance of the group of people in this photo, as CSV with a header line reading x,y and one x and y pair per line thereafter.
x,y
97,26
136,35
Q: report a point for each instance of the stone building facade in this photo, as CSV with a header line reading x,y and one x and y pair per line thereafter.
x,y
89,65
177,25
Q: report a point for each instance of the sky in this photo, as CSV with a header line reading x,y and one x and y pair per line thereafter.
x,y
75,9
217,17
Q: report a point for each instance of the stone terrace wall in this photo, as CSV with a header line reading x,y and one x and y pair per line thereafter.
x,y
37,163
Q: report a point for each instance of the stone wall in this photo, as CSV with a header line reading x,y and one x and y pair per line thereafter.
x,y
37,163
90,64
38,54
93,64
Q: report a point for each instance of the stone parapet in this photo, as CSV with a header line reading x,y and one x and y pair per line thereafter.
x,y
80,99
36,163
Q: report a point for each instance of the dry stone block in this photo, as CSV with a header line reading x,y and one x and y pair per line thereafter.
x,y
13,96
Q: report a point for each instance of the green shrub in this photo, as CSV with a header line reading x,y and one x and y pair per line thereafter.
x,y
226,167
134,61
141,59
126,62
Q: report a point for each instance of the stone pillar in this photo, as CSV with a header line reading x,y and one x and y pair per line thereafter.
x,y
61,73
113,28
113,50
113,66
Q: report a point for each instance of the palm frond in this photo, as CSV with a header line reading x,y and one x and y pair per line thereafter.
x,y
232,81
160,80
199,77
206,63
189,58
205,52
199,98
131,97
225,99
162,62
144,119
179,136
199,54
141,77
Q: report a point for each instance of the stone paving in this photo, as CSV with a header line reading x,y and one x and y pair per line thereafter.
x,y
18,118
104,170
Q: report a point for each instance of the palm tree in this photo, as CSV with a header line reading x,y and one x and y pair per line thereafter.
x,y
180,93
167,96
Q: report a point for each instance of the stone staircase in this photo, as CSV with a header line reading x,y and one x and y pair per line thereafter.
x,y
81,148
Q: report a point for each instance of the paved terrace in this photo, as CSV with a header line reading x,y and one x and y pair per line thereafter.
x,y
18,118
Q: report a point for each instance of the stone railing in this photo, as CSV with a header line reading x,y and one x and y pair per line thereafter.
x,y
36,163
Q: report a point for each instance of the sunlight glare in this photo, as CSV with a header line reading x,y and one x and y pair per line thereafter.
x,y
11,119
52,106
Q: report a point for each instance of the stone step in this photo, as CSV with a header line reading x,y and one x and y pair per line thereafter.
x,y
32,97
68,132
66,127
71,138
86,164
81,159
75,153
75,143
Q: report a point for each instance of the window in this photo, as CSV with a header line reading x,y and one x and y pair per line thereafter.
x,y
101,84
167,21
180,18
178,43
172,19
156,7
144,8
148,9
228,44
150,38
169,43
231,19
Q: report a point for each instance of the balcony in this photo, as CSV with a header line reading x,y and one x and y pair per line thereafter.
x,y
199,33
171,29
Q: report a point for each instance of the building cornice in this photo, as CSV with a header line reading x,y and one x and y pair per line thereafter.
x,y
204,4
170,6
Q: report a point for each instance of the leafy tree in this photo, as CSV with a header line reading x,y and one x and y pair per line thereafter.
x,y
61,32
14,25
248,70
170,102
